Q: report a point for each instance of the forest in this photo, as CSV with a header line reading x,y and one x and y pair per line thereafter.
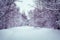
x,y
39,13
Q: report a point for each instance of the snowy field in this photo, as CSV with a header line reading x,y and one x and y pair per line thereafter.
x,y
29,33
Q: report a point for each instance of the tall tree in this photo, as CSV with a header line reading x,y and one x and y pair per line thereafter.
x,y
10,15
48,15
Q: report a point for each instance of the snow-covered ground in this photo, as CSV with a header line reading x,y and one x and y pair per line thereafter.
x,y
29,33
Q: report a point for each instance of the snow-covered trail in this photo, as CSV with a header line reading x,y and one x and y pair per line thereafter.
x,y
29,33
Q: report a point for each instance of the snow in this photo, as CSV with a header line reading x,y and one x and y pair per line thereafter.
x,y
29,33
25,6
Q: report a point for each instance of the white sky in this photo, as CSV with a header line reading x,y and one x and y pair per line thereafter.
x,y
25,5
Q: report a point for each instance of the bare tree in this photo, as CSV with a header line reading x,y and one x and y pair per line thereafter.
x,y
48,16
10,15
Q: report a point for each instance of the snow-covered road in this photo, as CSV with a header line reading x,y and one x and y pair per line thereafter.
x,y
29,33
